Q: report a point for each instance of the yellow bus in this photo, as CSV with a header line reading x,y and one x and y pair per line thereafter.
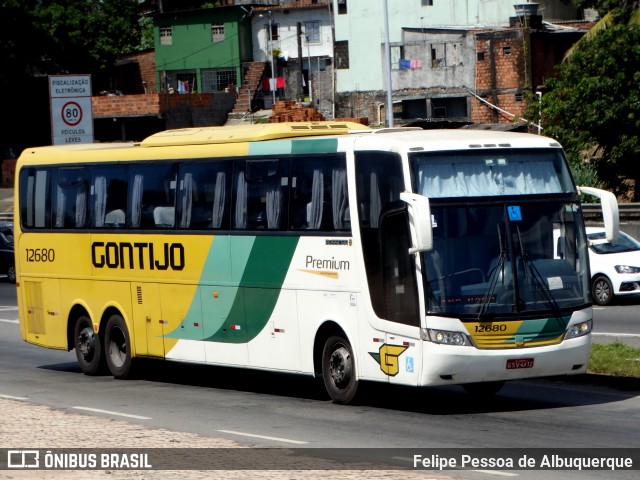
x,y
327,249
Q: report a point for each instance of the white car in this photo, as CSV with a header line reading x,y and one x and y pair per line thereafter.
x,y
615,267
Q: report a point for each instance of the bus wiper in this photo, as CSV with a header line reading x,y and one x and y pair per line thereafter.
x,y
497,273
529,266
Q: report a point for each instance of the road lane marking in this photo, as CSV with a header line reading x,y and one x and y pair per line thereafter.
x,y
109,412
490,472
609,334
263,437
496,472
6,320
11,397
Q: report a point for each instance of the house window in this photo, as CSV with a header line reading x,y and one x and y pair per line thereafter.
x,y
274,31
342,54
449,107
397,53
480,56
427,3
342,7
217,79
506,51
446,55
217,32
312,32
166,35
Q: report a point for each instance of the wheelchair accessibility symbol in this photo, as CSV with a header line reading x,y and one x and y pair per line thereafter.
x,y
515,215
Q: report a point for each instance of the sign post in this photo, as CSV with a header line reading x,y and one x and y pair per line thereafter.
x,y
71,114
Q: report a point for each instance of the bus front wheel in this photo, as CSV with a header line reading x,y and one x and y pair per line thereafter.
x,y
117,347
338,370
88,347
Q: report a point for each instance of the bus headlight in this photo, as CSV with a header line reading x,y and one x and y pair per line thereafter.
x,y
445,337
579,329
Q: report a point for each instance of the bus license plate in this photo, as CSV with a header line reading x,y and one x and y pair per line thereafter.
x,y
514,363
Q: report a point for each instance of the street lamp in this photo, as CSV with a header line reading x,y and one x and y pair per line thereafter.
x,y
272,83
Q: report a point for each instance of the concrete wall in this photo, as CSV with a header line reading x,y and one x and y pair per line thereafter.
x,y
363,27
287,41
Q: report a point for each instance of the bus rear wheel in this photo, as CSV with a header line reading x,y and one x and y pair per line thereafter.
x,y
117,346
88,345
338,370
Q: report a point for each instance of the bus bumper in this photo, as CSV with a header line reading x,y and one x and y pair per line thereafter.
x,y
449,365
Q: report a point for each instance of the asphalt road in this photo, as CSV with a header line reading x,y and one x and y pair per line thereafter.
x,y
261,409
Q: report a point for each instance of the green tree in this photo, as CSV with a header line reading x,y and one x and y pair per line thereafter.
x,y
45,37
85,36
593,105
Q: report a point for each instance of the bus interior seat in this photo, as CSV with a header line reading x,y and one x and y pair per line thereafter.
x,y
114,218
164,217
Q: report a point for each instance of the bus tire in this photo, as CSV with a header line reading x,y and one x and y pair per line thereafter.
x,y
483,389
338,370
88,346
117,347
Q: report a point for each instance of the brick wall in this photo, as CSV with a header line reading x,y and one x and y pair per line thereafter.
x,y
136,73
125,105
501,74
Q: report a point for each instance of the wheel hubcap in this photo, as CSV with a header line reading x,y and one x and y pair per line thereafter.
x,y
340,367
602,292
86,343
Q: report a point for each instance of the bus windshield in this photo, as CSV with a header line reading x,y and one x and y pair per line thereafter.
x,y
501,257
498,260
472,173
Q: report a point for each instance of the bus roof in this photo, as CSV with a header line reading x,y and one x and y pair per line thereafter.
x,y
450,139
248,133
240,140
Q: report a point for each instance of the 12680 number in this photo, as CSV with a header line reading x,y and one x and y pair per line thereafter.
x,y
41,255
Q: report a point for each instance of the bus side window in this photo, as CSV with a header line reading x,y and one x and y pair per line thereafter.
x,y
204,193
152,196
307,195
318,194
35,197
108,199
70,198
261,189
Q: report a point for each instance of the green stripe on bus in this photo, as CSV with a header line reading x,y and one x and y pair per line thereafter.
x,y
320,145
239,312
277,147
541,329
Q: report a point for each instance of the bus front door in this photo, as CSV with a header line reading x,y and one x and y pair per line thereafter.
x,y
400,303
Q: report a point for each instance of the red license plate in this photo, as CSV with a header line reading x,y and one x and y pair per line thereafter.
x,y
514,363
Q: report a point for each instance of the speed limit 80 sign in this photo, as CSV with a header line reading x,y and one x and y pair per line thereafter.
x,y
71,115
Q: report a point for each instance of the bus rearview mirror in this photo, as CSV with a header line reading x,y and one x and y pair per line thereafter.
x,y
610,214
419,221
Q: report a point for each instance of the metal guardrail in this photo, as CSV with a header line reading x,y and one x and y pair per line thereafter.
x,y
6,217
623,208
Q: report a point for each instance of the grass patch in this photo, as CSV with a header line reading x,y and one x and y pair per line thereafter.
x,y
615,359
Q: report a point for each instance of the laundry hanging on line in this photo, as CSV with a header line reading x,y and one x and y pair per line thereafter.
x,y
406,63
272,83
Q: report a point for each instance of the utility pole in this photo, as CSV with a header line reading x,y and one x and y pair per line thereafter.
x,y
300,89
272,83
387,58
